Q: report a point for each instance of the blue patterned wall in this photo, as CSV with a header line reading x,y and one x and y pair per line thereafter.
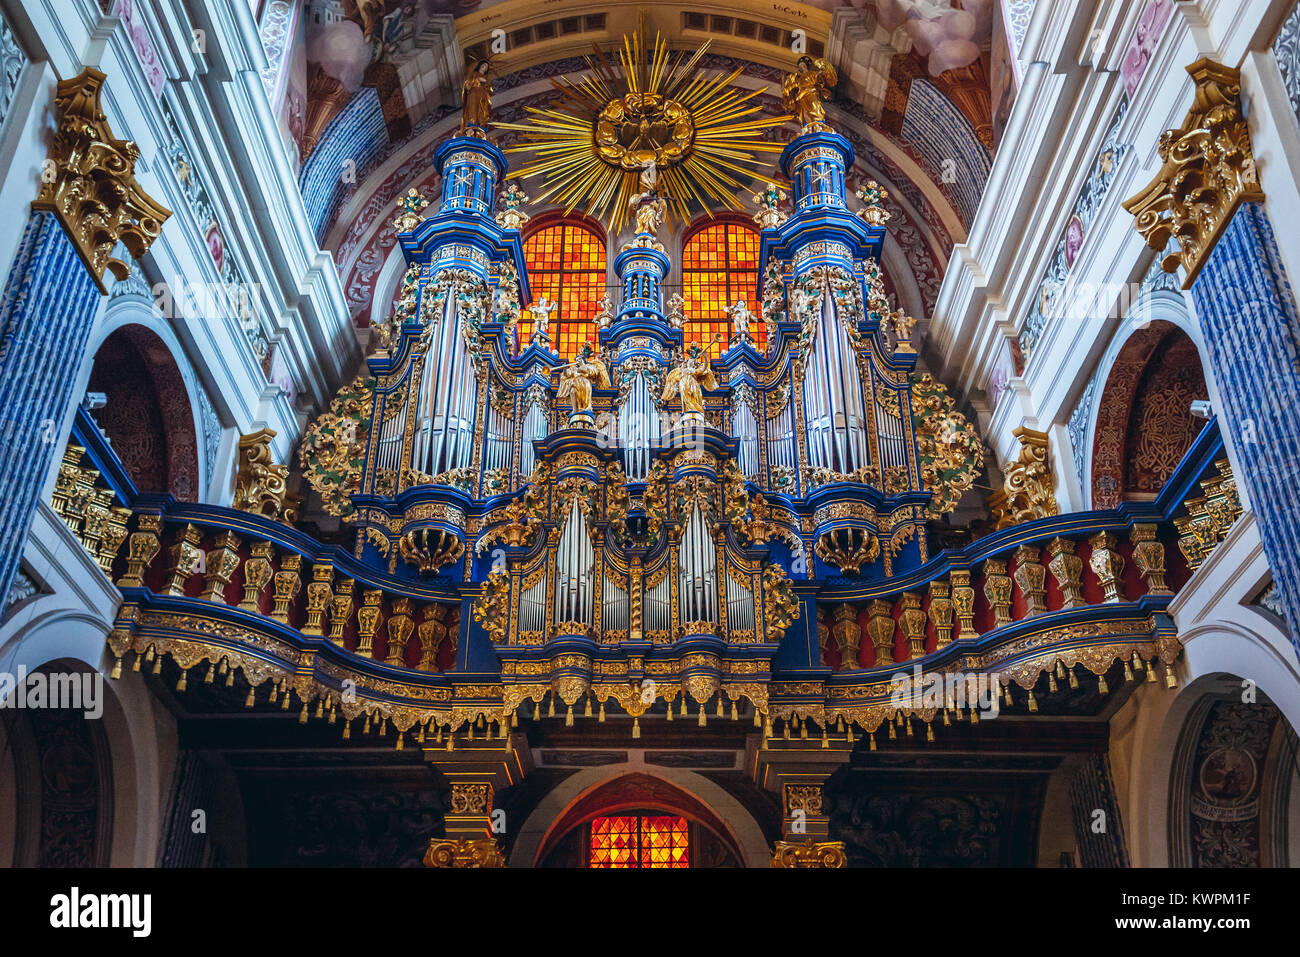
x,y
1248,314
49,306
356,134
948,142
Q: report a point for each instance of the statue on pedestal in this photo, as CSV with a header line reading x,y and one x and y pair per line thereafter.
x,y
579,379
476,101
688,380
803,92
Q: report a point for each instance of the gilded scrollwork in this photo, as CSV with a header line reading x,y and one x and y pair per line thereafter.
x,y
333,450
951,453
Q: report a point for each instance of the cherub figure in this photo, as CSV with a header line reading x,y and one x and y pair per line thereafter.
x,y
740,317
803,92
541,311
604,311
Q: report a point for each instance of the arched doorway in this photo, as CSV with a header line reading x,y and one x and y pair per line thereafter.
x,y
146,413
1144,420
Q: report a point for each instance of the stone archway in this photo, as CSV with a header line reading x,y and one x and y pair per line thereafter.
x,y
1144,420
1230,786
147,415
579,797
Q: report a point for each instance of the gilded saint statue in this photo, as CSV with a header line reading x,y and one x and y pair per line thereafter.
x,y
648,206
580,378
476,101
688,380
804,90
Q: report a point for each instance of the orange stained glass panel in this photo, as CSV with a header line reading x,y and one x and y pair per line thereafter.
x,y
640,841
566,264
719,266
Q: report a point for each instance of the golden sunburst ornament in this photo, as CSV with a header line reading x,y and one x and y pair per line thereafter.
x,y
649,106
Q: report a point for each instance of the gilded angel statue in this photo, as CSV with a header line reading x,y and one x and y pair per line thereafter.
x,y
688,380
581,377
803,92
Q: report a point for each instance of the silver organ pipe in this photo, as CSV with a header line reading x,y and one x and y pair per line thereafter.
x,y
745,428
698,563
638,428
390,438
574,560
780,438
532,607
833,403
740,605
500,439
534,429
656,607
613,606
893,438
444,435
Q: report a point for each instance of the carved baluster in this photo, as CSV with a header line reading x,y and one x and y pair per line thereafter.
x,y
114,535
431,633
1149,557
823,630
400,626
97,514
223,559
1106,564
287,585
1031,576
341,609
142,549
319,593
912,620
881,628
83,493
1067,569
185,555
257,572
963,598
941,611
1229,489
997,589
368,621
1188,543
66,482
848,636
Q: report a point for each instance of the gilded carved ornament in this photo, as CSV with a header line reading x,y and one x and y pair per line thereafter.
x,y
261,486
1029,489
333,451
951,453
1209,170
93,193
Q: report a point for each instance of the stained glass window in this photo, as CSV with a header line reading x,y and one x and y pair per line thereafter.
x,y
566,264
641,840
719,266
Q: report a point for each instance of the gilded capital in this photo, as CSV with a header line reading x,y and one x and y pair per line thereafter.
x,y
92,190
1209,170
261,485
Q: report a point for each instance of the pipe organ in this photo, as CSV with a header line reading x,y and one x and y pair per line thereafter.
x,y
632,537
